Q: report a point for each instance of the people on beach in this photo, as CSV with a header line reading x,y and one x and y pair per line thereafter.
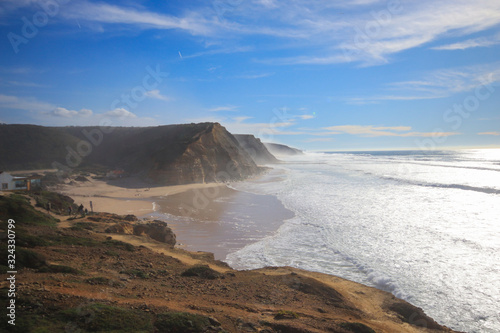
x,y
70,210
80,209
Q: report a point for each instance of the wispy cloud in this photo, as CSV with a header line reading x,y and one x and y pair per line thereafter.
x,y
318,140
471,43
437,84
378,131
369,32
65,113
231,108
489,133
254,76
192,22
21,84
306,116
155,94
24,103
120,113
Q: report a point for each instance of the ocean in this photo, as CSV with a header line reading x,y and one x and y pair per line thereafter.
x,y
423,225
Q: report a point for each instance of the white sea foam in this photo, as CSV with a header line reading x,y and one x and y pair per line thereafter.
x,y
423,226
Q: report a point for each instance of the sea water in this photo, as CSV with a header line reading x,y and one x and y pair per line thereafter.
x,y
423,225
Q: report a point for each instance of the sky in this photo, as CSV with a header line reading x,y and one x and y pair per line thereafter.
x,y
317,75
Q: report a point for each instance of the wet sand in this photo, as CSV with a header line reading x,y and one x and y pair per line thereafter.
x,y
221,220
205,217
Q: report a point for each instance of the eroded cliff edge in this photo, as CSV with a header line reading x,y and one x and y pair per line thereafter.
x,y
163,155
89,274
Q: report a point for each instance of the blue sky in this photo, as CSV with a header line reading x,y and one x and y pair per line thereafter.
x,y
318,75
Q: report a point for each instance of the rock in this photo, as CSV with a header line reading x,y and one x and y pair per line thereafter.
x,y
158,231
256,149
214,321
123,228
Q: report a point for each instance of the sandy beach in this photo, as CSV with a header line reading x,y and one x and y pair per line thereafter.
x,y
205,217
123,196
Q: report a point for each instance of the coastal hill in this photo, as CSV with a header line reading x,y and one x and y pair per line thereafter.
x,y
256,149
279,149
173,154
104,272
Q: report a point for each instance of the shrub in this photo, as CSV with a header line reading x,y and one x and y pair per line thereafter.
x,y
104,318
181,322
60,269
201,271
356,327
285,314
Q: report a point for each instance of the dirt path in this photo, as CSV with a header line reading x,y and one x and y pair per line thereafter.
x,y
166,250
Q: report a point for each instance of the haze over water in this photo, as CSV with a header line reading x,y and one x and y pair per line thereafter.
x,y
422,225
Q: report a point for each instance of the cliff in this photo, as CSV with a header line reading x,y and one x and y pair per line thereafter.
x,y
283,150
75,276
173,154
256,149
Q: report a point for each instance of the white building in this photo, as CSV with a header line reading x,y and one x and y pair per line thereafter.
x,y
11,183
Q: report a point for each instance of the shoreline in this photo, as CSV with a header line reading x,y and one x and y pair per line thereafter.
x,y
123,196
210,217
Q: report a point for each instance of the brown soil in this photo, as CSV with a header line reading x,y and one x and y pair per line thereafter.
x,y
148,277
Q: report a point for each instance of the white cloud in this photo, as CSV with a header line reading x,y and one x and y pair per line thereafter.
x,y
489,133
306,116
65,113
191,22
254,76
157,95
366,31
120,113
24,103
373,35
471,43
377,131
437,84
224,108
319,140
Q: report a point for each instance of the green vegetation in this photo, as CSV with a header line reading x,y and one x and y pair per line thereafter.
x,y
59,203
285,314
99,280
104,318
136,273
120,245
60,269
181,322
83,226
18,207
202,271
28,258
356,327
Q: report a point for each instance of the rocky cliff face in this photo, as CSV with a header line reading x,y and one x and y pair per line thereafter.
x,y
283,150
210,155
173,154
256,149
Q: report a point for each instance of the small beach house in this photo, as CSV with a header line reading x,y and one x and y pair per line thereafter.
x,y
12,183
